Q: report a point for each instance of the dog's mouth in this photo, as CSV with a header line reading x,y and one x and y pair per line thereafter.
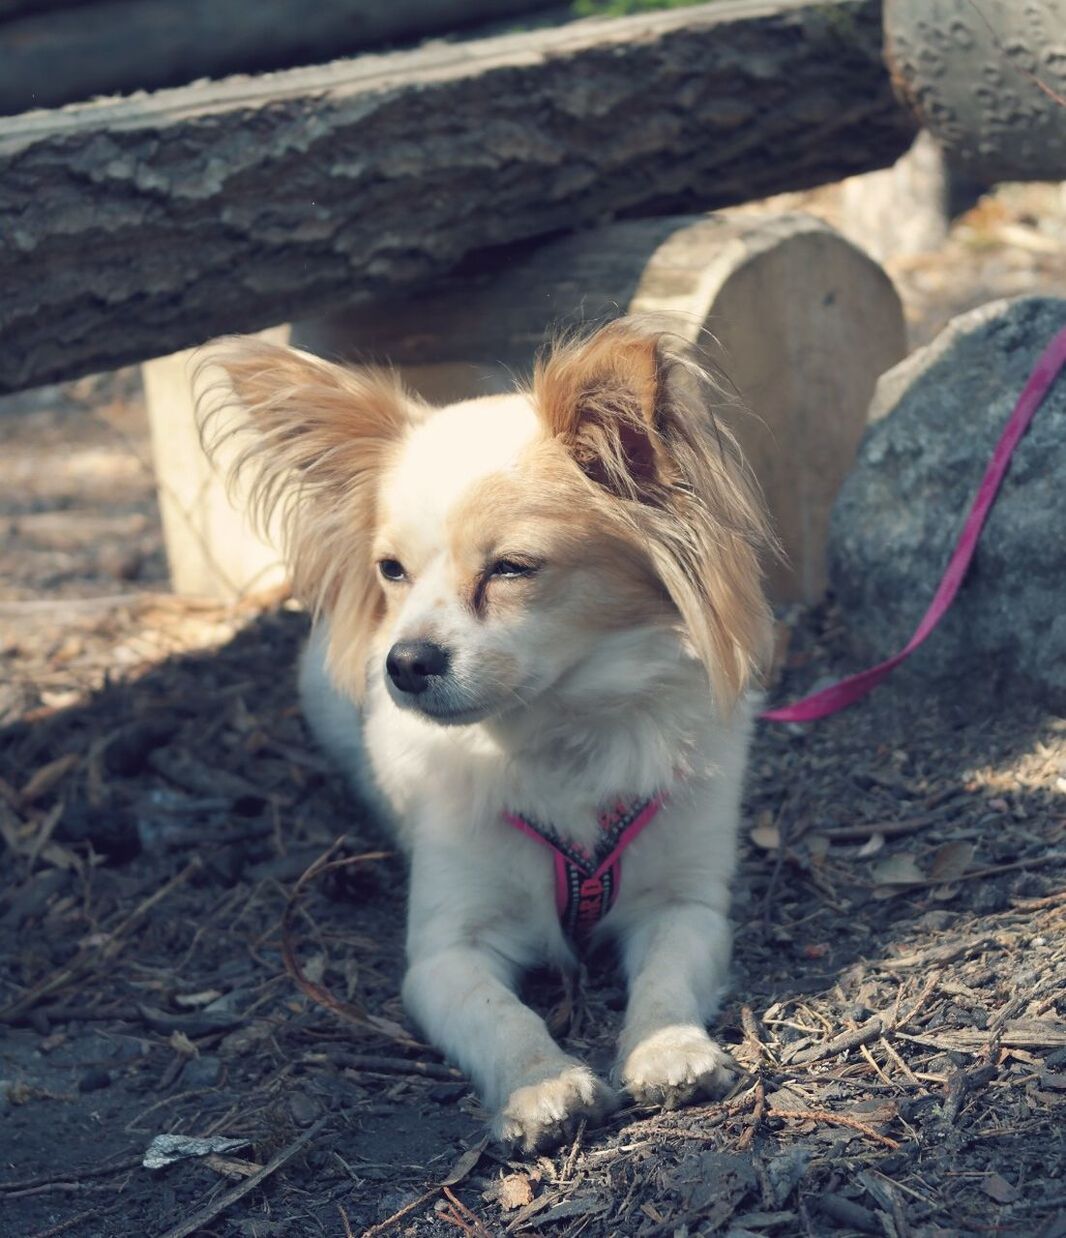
x,y
435,706
452,716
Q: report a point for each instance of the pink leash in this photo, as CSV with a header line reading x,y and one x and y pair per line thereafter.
x,y
840,695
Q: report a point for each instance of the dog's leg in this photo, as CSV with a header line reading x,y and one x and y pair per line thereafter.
x,y
464,1000
676,958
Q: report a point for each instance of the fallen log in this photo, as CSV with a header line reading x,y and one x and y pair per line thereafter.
x,y
56,56
132,228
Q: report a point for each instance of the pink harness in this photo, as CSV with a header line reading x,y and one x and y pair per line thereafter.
x,y
587,883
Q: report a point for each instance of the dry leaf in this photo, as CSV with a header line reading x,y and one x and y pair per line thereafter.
x,y
900,869
45,829
166,1149
203,998
61,700
945,893
515,1191
47,777
998,1188
60,857
951,861
465,1164
768,837
871,846
180,1043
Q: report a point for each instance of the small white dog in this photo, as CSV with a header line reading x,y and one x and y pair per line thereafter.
x,y
538,620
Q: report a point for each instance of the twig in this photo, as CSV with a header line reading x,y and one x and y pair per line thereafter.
x,y
928,988
870,1030
901,1065
761,1054
708,1114
133,1125
757,1115
75,1175
871,1061
384,1226
231,1166
461,1217
835,1119
67,1188
214,1209
320,995
93,1214
345,1222
997,1027
568,1168
752,1038
44,833
397,1066
1036,904
889,829
959,1085
91,955
783,832
681,1132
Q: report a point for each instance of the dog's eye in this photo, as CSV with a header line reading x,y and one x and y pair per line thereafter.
x,y
509,569
392,569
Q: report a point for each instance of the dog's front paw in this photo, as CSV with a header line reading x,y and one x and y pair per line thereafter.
x,y
676,1064
540,1115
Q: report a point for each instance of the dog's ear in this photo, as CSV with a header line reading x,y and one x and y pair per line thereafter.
x,y
309,440
635,409
600,397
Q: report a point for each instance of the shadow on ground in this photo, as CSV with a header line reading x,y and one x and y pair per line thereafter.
x,y
899,957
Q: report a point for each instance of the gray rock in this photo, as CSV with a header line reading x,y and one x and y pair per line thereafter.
x,y
936,418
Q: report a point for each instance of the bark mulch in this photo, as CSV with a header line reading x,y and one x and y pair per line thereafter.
x,y
897,999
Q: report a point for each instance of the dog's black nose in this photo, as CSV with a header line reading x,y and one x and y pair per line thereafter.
x,y
412,663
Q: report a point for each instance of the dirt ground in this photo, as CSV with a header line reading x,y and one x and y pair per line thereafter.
x,y
900,958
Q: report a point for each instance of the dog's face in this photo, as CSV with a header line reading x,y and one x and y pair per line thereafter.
x,y
498,574
474,556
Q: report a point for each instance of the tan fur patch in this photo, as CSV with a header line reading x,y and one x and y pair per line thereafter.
x,y
546,511
635,410
316,438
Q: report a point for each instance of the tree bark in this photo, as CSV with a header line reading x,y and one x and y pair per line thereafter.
x,y
132,228
109,47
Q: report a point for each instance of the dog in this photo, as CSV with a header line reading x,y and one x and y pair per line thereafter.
x,y
539,623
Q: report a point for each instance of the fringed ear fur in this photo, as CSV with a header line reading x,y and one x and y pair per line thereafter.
x,y
311,439
635,410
